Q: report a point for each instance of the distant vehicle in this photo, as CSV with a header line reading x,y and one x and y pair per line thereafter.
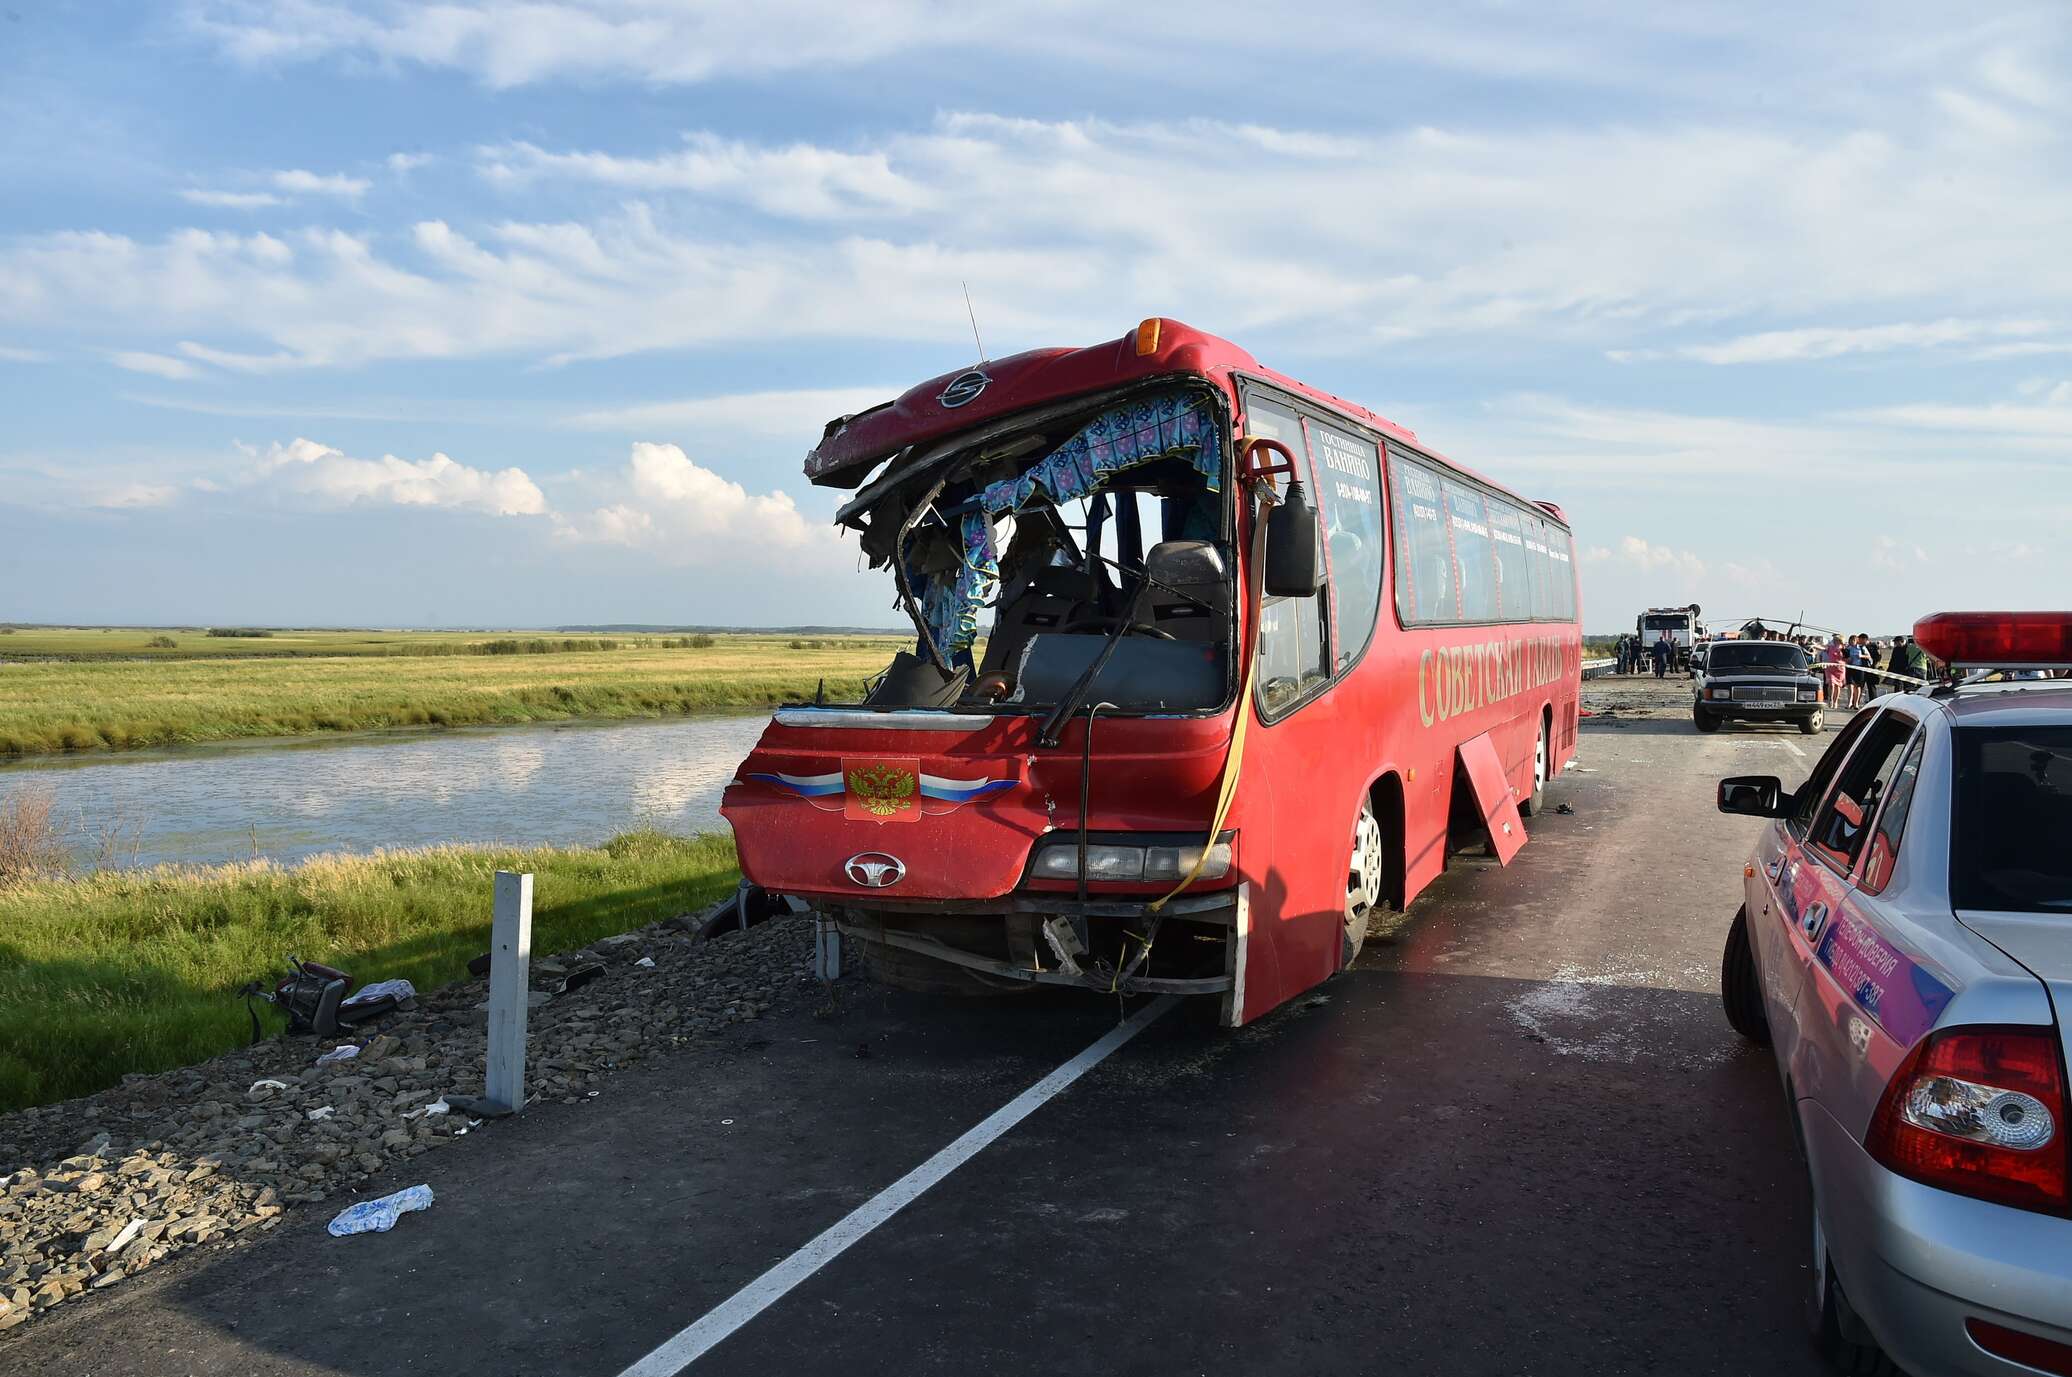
x,y
1754,681
1208,667
1681,623
1905,948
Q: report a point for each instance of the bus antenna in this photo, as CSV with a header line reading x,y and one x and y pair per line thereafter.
x,y
974,322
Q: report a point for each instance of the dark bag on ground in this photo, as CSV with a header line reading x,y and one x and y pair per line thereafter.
x,y
313,997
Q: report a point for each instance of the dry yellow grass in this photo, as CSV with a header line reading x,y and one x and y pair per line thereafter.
x,y
87,705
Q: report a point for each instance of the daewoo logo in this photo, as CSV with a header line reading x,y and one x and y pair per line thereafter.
x,y
874,869
963,388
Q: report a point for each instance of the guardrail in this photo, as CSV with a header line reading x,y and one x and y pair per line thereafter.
x,y
1595,667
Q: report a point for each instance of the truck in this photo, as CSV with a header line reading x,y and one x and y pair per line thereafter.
x,y
1681,623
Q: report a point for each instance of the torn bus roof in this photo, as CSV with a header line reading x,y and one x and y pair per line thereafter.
x,y
968,397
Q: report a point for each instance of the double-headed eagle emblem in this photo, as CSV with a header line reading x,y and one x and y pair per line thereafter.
x,y
883,791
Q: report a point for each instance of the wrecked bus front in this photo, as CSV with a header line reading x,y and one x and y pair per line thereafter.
x,y
1053,785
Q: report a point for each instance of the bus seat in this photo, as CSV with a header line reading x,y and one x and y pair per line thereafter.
x,y
1194,602
1054,597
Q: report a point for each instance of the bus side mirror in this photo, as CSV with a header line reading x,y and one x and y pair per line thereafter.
x,y
1755,796
1292,537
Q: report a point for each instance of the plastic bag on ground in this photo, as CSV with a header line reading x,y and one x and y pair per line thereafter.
x,y
401,989
379,1216
337,1054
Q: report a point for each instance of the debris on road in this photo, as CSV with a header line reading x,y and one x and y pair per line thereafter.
x,y
337,1054
215,1153
379,1216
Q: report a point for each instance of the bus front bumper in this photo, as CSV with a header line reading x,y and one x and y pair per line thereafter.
x,y
1045,938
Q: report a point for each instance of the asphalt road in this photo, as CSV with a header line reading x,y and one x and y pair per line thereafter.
x,y
1517,1138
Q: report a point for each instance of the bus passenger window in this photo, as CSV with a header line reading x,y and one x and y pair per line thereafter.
x,y
1424,567
1349,494
1513,581
1472,553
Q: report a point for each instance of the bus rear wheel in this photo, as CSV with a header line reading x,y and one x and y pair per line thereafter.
x,y
1362,881
1530,806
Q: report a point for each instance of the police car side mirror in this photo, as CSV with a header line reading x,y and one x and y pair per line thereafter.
x,y
1755,796
1292,536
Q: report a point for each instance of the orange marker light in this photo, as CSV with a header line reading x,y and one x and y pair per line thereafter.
x,y
1147,337
1747,872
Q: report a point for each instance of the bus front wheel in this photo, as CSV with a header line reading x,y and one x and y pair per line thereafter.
x,y
1362,881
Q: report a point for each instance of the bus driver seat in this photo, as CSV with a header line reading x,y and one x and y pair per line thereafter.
x,y
1191,599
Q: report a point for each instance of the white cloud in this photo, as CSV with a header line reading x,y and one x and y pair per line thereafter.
x,y
124,496
688,514
330,477
1890,555
157,365
652,40
1652,558
298,181
400,163
2045,423
1544,234
230,200
798,415
11,354
798,180
1790,346
239,363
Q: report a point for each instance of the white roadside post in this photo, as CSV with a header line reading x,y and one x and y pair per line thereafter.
x,y
510,978
827,948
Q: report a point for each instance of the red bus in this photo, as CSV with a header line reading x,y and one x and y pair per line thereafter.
x,y
1209,666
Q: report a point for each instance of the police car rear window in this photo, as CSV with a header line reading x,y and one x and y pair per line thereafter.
x,y
2013,814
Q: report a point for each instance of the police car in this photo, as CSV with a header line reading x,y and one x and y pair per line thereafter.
x,y
1905,948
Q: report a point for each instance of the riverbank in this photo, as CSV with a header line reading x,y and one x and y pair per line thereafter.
x,y
116,972
55,706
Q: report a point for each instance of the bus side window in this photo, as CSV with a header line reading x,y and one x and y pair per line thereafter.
x,y
1424,564
1349,493
1292,657
1513,582
1472,552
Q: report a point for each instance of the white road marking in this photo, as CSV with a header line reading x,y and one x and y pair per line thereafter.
x,y
1793,747
693,1343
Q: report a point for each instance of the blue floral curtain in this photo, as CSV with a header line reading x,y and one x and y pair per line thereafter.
x,y
1175,426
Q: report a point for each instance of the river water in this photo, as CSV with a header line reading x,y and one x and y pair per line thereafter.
x,y
564,783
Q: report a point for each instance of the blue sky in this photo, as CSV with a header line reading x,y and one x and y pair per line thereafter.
x,y
524,314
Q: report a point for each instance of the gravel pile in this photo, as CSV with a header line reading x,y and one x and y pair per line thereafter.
x,y
97,1189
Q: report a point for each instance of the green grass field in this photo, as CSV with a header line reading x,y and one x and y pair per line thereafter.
x,y
331,681
122,971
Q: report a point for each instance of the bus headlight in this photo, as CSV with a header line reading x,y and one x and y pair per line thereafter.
x,y
1059,860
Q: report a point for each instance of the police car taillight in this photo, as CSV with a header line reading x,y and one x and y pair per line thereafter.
x,y
1979,1111
1998,640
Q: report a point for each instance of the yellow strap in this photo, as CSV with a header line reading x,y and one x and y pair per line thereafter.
x,y
1234,758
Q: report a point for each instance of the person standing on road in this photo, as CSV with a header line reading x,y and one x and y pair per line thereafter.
x,y
1854,678
1664,651
1873,682
1624,654
1834,663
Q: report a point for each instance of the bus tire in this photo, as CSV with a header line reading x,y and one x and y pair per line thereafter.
x,y
1740,987
1365,874
1703,720
1530,805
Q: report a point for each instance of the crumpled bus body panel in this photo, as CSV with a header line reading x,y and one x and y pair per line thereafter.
x,y
810,797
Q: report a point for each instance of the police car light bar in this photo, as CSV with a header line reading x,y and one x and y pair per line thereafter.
x,y
1998,640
